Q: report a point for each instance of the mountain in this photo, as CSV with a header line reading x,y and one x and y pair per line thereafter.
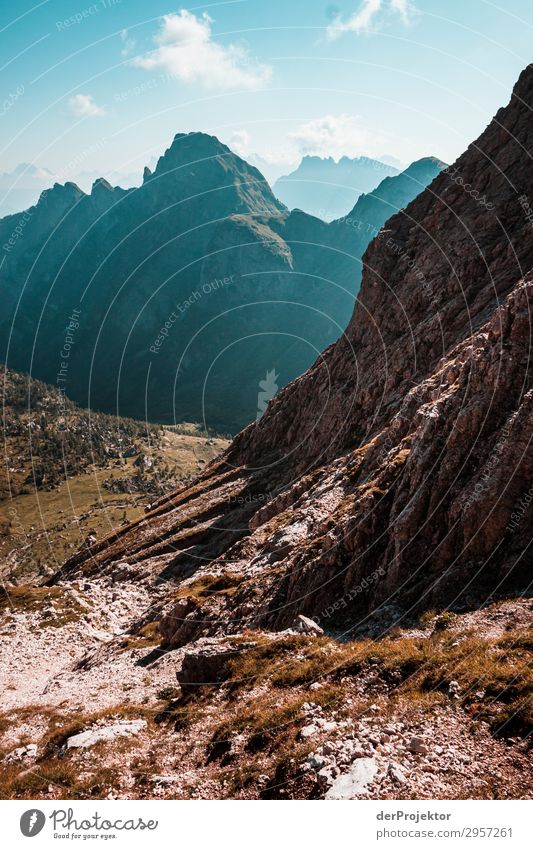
x,y
328,189
386,493
354,231
391,473
174,301
22,187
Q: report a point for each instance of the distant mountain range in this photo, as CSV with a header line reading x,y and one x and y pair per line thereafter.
x,y
21,187
329,189
191,298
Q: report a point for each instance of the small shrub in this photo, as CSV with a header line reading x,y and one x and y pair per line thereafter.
x,y
445,620
208,585
168,693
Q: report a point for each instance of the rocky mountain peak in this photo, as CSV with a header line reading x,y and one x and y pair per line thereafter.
x,y
195,155
522,88
61,194
187,148
421,167
413,427
101,185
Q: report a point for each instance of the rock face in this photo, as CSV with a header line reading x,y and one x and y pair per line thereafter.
x,y
165,301
206,664
393,469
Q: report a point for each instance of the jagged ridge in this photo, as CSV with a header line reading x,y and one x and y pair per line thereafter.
x,y
391,471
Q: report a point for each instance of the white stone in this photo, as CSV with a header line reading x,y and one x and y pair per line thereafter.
x,y
316,761
355,781
304,625
165,779
397,774
454,689
105,733
308,731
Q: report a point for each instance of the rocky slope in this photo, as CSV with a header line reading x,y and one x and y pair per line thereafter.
x,y
92,709
162,302
386,494
400,458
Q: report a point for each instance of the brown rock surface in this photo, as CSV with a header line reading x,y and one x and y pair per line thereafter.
x,y
393,470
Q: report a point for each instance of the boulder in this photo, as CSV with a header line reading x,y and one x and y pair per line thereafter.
x,y
308,731
397,774
354,782
123,571
188,619
207,663
177,626
304,625
325,777
316,761
29,751
418,746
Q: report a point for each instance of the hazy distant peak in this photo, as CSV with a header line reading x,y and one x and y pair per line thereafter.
x,y
328,189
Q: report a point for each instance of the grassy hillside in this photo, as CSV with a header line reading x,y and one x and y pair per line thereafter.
x,y
68,473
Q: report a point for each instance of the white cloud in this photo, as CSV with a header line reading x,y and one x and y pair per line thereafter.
x,y
240,142
128,43
83,106
366,15
186,50
333,135
403,7
358,22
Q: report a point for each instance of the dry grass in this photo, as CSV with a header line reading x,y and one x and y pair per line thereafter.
x,y
183,712
420,666
209,585
270,719
59,772
144,637
32,599
288,662
58,777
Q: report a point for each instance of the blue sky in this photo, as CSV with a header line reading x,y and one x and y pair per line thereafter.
x,y
103,87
